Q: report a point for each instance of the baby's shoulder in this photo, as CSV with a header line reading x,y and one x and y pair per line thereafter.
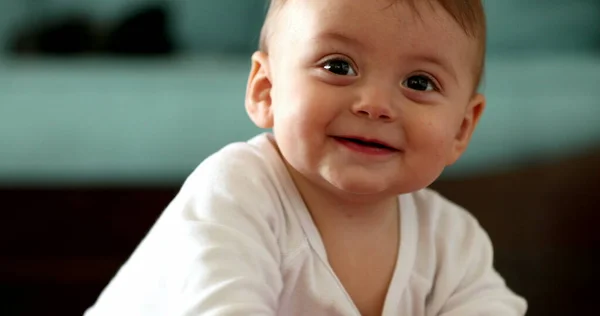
x,y
443,223
238,164
438,212
237,185
448,236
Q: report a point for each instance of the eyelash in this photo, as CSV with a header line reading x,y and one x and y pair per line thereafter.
x,y
323,63
434,83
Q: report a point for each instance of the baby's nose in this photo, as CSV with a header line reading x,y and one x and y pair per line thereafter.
x,y
374,113
375,107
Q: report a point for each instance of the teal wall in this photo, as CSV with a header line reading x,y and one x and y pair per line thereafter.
x,y
232,25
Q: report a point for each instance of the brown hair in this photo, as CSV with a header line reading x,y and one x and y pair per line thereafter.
x,y
469,14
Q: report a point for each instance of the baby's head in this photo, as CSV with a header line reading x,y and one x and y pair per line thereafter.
x,y
369,98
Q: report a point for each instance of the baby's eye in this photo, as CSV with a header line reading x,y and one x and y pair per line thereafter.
x,y
339,67
420,83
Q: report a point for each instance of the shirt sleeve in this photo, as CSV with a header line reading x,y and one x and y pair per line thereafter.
x,y
469,285
213,252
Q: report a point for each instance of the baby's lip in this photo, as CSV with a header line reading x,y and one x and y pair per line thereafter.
x,y
367,140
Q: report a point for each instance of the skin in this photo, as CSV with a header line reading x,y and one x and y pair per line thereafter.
x,y
411,86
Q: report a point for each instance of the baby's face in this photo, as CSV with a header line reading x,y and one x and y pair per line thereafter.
x,y
370,98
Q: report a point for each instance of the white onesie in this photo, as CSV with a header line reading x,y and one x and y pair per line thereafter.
x,y
238,240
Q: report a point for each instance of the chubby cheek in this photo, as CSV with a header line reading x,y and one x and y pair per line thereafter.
x,y
301,116
305,107
430,142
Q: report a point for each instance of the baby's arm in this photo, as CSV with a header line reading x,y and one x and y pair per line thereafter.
x,y
468,284
231,264
213,252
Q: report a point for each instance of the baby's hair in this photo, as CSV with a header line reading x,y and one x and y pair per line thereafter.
x,y
469,14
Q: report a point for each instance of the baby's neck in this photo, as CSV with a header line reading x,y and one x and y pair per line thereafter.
x,y
351,213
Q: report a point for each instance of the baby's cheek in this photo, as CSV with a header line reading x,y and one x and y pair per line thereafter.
x,y
425,134
443,142
431,144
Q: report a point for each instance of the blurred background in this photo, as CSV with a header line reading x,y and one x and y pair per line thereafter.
x,y
107,105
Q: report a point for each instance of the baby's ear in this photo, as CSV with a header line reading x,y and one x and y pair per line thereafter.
x,y
471,118
258,92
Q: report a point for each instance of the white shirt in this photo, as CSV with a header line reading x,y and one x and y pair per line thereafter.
x,y
239,240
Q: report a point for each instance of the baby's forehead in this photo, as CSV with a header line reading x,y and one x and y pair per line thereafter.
x,y
381,26
397,19
466,13
418,27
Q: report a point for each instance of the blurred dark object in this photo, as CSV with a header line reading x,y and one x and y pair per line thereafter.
x,y
143,32
60,247
68,36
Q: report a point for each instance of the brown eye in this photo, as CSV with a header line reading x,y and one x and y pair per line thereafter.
x,y
420,83
339,67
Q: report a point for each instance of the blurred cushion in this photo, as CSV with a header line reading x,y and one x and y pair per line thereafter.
x,y
207,26
155,120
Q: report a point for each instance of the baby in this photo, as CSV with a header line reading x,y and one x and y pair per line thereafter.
x,y
368,100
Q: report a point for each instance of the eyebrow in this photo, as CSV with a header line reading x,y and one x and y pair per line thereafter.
x,y
340,38
433,59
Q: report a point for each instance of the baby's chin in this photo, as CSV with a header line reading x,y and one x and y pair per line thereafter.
x,y
362,185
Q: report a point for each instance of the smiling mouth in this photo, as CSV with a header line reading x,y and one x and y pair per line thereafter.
x,y
374,144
